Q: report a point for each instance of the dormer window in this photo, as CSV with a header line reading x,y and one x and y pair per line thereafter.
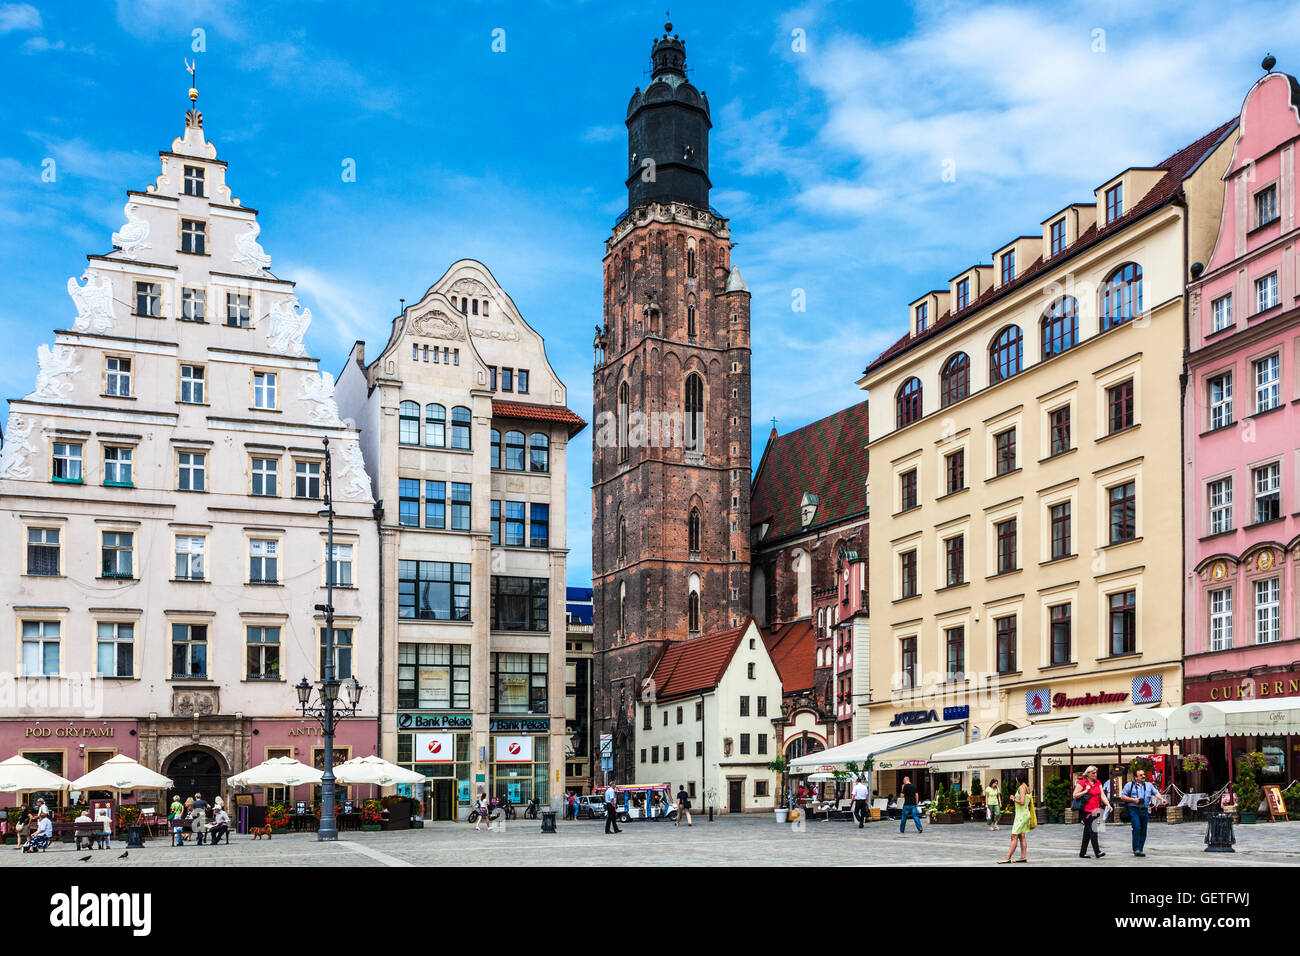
x,y
1008,266
1058,236
922,316
1114,202
808,508
963,294
1265,206
194,181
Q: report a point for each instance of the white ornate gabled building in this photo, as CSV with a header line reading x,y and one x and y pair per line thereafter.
x,y
465,430
159,498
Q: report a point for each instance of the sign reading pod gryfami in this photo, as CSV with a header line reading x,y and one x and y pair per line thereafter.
x,y
514,749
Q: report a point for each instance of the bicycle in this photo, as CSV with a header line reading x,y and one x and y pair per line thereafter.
x,y
476,813
530,813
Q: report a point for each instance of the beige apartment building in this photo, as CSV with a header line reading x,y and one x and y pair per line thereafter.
x,y
1025,463
464,430
159,499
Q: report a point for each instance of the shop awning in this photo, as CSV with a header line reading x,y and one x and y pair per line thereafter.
x,y
892,749
1012,750
1125,729
1236,718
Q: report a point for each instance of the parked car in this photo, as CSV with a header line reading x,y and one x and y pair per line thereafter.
x,y
592,807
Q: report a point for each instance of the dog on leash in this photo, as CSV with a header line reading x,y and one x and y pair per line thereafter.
x,y
259,832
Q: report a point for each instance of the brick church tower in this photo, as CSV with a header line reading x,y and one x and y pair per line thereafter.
x,y
671,455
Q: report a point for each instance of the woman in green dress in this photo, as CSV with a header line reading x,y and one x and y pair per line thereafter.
x,y
1024,804
993,801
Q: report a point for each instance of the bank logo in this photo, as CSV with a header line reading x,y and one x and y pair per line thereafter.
x,y
1038,701
435,746
1147,690
77,910
514,750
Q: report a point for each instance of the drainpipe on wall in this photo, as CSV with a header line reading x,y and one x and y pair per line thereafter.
x,y
1181,203
379,602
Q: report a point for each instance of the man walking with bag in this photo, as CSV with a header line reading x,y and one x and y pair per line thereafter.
x,y
860,802
611,808
1140,796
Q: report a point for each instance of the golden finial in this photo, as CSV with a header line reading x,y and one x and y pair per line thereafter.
x,y
191,66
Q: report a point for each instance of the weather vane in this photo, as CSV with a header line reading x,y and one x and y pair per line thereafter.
x,y
191,67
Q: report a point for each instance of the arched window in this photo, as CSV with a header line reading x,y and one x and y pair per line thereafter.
x,y
693,613
539,452
1005,354
622,539
954,380
690,261
694,424
908,402
622,608
496,448
515,451
1060,326
460,427
690,320
1121,296
693,531
408,428
624,399
435,426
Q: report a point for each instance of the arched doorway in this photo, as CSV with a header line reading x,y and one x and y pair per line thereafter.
x,y
195,771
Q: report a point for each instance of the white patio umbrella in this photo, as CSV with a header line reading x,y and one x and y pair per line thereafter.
x,y
122,774
277,772
375,770
18,774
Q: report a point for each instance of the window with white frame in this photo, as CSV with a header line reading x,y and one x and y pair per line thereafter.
x,y
43,551
190,553
239,310
1266,206
115,649
264,389
192,380
342,564
263,561
1267,382
1268,491
65,464
116,558
1266,292
194,181
306,479
1220,499
194,305
1221,312
263,657
1220,395
342,652
148,299
265,474
41,648
194,236
1268,611
191,470
189,651
117,376
1221,619
117,466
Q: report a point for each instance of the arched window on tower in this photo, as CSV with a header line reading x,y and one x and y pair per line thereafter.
x,y
624,400
408,423
693,605
435,425
693,531
954,380
622,539
622,608
694,424
690,262
690,320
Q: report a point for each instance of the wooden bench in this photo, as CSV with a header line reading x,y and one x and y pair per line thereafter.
x,y
92,834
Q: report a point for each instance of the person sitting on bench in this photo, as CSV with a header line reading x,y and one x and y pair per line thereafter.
x,y
41,838
220,827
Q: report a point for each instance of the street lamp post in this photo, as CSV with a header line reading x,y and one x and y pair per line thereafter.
x,y
328,711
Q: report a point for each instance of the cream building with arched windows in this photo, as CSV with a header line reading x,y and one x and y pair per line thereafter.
x,y
1026,549
465,430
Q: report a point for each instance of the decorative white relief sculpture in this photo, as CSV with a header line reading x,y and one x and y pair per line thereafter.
x,y
17,446
289,322
53,364
356,483
318,389
133,235
248,251
94,302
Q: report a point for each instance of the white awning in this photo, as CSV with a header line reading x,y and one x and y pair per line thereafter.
x,y
1130,728
1011,750
1236,718
904,748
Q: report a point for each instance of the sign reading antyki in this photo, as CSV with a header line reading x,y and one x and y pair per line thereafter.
x,y
68,732
909,717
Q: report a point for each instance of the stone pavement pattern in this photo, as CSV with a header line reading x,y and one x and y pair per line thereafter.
x,y
751,840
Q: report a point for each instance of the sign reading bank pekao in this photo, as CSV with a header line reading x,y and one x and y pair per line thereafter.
x,y
78,910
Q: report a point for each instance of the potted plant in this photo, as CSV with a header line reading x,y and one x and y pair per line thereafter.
x,y
1056,797
782,809
372,815
943,808
1291,796
277,817
1195,763
1246,786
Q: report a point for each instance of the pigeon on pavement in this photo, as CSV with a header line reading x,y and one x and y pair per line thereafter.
x,y
123,856
84,859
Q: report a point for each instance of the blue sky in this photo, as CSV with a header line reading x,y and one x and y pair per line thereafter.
x,y
829,159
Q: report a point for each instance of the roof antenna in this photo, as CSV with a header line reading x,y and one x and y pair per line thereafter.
x,y
403,301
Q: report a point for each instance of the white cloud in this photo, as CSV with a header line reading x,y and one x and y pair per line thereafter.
x,y
18,16
603,134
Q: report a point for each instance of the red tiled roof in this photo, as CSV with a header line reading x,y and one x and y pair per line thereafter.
x,y
695,665
793,649
539,413
827,458
1178,167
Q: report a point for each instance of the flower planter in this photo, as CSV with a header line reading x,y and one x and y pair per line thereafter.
x,y
782,814
1006,820
1247,817
417,824
945,818
1173,814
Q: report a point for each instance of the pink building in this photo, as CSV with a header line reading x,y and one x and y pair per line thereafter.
x,y
1241,427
